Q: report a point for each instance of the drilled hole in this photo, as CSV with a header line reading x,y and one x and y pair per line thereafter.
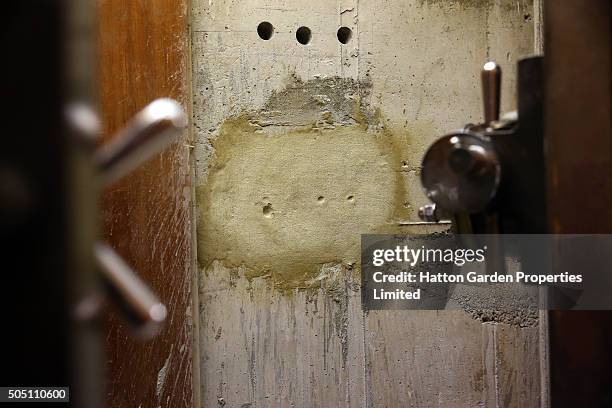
x,y
268,211
303,35
265,30
344,35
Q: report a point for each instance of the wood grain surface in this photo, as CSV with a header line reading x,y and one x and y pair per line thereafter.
x,y
143,54
579,149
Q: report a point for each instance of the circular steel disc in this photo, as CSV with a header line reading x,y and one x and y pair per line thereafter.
x,y
461,173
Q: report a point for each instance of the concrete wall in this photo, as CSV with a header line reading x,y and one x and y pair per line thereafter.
x,y
301,148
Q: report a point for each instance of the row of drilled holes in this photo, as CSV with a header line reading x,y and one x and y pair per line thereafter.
x,y
303,34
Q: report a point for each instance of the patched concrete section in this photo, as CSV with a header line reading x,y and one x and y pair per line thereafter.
x,y
503,303
291,187
319,103
451,5
300,197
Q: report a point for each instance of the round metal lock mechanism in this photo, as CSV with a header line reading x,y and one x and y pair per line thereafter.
x,y
461,173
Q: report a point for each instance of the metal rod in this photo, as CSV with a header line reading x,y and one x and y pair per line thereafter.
x,y
148,133
144,310
491,91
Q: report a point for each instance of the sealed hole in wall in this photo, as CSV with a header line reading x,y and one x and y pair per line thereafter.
x,y
268,211
303,35
265,30
344,35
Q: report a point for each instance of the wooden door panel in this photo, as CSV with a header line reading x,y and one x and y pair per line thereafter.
x,y
143,55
